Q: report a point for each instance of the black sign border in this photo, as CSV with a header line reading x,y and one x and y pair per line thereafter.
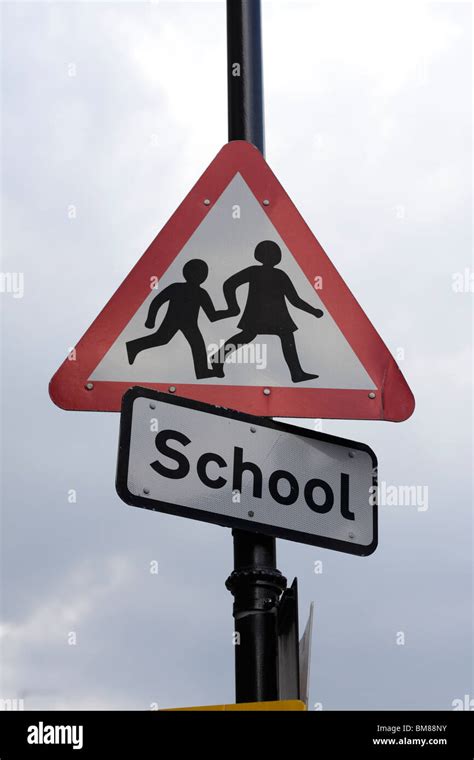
x,y
225,521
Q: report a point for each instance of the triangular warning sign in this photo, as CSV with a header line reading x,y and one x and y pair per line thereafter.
x,y
236,303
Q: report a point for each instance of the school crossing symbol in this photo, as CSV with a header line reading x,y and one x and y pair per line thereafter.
x,y
236,303
266,313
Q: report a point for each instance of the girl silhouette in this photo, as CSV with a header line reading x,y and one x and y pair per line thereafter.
x,y
266,311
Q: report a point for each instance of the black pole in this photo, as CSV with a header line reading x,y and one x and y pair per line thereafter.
x,y
256,585
244,72
255,581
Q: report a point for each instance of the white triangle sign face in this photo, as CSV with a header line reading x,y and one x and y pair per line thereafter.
x,y
224,241
235,303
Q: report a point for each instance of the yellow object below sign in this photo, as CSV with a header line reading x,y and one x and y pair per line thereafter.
x,y
285,704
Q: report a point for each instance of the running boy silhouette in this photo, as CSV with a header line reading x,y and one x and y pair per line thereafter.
x,y
185,299
266,311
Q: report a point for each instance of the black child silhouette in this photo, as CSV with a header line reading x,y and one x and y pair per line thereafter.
x,y
266,311
186,299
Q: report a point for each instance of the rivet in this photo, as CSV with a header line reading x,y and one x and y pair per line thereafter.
x,y
89,386
146,491
351,455
266,391
371,394
351,535
266,202
172,388
207,202
251,514
152,406
253,429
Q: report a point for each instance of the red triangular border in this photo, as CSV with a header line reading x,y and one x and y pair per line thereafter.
x,y
393,399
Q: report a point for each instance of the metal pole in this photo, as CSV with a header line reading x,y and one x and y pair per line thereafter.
x,y
256,585
255,581
244,72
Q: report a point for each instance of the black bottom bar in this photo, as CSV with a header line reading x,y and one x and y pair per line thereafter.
x,y
326,734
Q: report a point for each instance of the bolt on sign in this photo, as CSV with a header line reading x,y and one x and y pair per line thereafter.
x,y
208,463
236,303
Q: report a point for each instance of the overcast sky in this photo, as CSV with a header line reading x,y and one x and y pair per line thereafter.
x,y
116,108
